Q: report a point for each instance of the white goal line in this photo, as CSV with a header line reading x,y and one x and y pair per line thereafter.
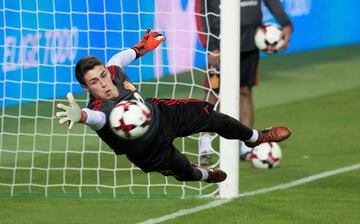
x,y
251,193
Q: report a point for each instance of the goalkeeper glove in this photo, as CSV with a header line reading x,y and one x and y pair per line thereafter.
x,y
149,42
72,113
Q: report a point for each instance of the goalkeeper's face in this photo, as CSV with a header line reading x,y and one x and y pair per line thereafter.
x,y
99,84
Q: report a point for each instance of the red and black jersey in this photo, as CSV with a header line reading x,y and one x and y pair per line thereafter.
x,y
170,118
126,92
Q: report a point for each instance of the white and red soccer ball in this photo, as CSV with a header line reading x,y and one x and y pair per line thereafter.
x,y
268,38
130,119
266,155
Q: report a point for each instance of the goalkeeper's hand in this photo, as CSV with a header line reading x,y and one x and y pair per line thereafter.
x,y
71,113
149,42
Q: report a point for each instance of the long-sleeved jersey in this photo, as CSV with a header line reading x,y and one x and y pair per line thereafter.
x,y
127,91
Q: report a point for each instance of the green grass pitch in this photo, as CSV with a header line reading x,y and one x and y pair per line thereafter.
x,y
315,93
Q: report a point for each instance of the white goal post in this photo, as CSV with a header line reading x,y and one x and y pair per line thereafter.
x,y
229,91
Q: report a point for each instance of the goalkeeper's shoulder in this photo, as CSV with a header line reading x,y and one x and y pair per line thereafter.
x,y
96,113
104,106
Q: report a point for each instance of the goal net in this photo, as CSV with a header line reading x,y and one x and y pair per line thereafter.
x,y
40,43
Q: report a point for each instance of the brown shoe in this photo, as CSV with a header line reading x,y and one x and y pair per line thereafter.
x,y
215,175
273,134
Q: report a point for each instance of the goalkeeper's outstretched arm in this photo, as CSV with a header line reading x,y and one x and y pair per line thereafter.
x,y
149,42
72,114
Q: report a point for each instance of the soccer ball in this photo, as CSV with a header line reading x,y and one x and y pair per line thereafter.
x,y
266,155
268,38
130,119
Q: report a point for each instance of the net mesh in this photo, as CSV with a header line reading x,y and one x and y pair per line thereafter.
x,y
40,43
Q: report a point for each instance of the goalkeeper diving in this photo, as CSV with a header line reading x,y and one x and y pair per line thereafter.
x,y
108,85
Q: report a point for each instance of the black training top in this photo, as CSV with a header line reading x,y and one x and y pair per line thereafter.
x,y
127,91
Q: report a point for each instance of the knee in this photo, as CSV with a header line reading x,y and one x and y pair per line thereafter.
x,y
245,91
218,121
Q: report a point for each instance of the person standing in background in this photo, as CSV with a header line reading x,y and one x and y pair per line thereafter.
x,y
251,19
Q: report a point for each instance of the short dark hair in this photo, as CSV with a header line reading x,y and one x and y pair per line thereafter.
x,y
84,65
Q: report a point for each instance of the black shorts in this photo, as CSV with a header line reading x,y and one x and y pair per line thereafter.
x,y
177,118
182,117
248,71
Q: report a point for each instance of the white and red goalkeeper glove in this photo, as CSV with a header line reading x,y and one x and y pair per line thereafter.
x,y
149,42
71,113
